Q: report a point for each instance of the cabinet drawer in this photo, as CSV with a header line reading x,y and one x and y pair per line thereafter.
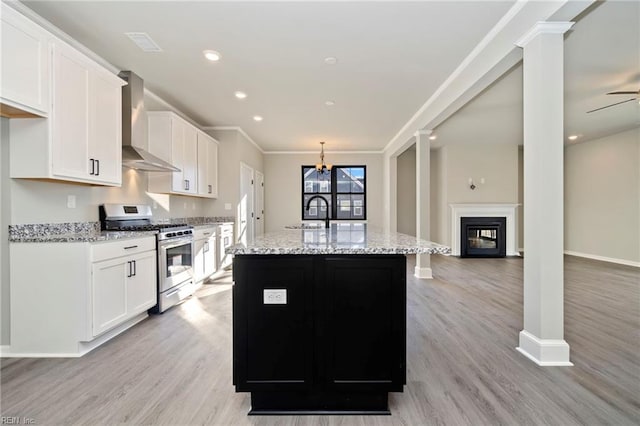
x,y
111,249
202,233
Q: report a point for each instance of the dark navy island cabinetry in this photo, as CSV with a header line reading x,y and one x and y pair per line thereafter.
x,y
320,327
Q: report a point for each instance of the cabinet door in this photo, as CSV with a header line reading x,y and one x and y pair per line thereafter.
x,y
273,343
212,170
105,125
70,114
198,259
362,301
141,285
25,68
108,294
190,159
203,164
210,256
178,183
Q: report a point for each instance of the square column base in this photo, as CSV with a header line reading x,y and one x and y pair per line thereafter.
x,y
544,352
424,273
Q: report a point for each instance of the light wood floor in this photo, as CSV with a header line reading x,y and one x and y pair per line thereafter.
x,y
462,364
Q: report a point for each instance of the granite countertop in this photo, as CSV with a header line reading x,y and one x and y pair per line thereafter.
x,y
343,238
83,237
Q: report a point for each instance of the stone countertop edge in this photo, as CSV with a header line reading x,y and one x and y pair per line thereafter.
x,y
84,237
313,242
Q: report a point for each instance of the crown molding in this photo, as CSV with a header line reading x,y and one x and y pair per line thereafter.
x,y
239,130
316,152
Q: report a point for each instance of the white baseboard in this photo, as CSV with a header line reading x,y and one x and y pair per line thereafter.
x,y
603,258
544,352
424,273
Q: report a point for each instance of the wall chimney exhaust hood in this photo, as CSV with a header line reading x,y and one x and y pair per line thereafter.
x,y
134,128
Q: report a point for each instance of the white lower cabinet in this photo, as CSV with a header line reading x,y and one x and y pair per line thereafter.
x,y
205,257
122,288
70,297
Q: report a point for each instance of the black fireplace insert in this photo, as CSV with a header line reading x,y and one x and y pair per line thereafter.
x,y
483,236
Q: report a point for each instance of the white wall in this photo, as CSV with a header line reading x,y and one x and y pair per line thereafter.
x,y
5,220
283,186
454,164
602,197
406,193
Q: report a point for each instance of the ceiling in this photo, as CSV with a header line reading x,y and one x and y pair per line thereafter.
x,y
391,58
602,54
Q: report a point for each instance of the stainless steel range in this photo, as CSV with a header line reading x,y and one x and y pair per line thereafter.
x,y
174,245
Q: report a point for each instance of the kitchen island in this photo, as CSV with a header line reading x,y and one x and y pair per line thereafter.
x,y
319,319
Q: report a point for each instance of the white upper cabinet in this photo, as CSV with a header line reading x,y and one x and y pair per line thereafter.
x,y
207,166
81,141
176,141
24,86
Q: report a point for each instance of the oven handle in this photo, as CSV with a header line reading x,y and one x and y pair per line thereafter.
x,y
175,243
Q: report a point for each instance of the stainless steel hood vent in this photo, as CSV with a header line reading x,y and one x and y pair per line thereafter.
x,y
134,128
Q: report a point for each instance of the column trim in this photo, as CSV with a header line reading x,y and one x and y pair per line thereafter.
x,y
544,352
542,27
423,273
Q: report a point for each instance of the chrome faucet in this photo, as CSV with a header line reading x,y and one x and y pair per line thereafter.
x,y
326,219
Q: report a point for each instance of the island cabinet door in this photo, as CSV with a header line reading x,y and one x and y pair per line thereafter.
x,y
273,324
363,329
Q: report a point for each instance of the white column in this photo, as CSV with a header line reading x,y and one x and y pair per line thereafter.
x,y
542,339
423,200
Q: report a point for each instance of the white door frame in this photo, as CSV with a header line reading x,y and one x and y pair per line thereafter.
x,y
259,203
246,216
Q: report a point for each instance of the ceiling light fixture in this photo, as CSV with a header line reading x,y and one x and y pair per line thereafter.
x,y
330,60
573,137
240,95
212,55
321,167
433,137
257,118
329,103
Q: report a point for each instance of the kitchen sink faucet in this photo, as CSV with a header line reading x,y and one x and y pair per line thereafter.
x,y
326,219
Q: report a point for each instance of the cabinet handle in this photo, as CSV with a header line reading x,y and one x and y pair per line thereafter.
x,y
130,247
206,233
98,167
209,189
93,166
186,185
129,264
206,247
135,268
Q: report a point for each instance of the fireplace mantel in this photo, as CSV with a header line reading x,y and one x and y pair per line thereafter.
x,y
484,210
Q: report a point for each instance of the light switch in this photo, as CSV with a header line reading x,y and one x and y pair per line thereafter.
x,y
227,206
275,296
71,201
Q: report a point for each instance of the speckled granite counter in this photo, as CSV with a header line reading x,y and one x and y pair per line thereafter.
x,y
347,238
68,232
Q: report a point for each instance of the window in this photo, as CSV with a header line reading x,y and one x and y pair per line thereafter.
x,y
344,190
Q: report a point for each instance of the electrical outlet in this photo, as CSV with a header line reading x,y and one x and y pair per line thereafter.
x,y
275,296
71,201
185,205
227,206
193,206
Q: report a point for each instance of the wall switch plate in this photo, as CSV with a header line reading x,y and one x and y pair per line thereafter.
x,y
227,206
71,201
275,296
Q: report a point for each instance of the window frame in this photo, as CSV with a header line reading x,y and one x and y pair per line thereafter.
x,y
333,194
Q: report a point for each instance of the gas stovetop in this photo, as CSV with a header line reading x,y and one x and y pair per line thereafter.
x,y
120,217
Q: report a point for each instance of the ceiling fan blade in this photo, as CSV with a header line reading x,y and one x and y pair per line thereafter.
x,y
617,103
624,92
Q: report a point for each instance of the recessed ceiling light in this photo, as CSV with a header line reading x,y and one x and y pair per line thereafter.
x,y
433,137
330,60
212,55
257,118
573,137
329,103
240,95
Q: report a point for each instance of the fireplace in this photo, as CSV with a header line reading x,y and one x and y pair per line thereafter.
x,y
483,236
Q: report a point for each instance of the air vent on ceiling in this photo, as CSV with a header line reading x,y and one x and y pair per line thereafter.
x,y
144,42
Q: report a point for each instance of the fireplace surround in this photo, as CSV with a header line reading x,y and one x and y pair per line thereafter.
x,y
506,210
482,236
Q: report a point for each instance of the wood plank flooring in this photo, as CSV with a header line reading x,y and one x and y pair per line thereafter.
x,y
463,369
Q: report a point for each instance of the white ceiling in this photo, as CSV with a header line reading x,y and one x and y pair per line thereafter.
x,y
392,57
602,54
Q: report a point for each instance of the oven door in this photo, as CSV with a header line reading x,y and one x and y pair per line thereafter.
x,y
175,262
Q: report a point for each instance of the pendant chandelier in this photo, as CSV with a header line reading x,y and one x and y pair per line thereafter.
x,y
321,167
